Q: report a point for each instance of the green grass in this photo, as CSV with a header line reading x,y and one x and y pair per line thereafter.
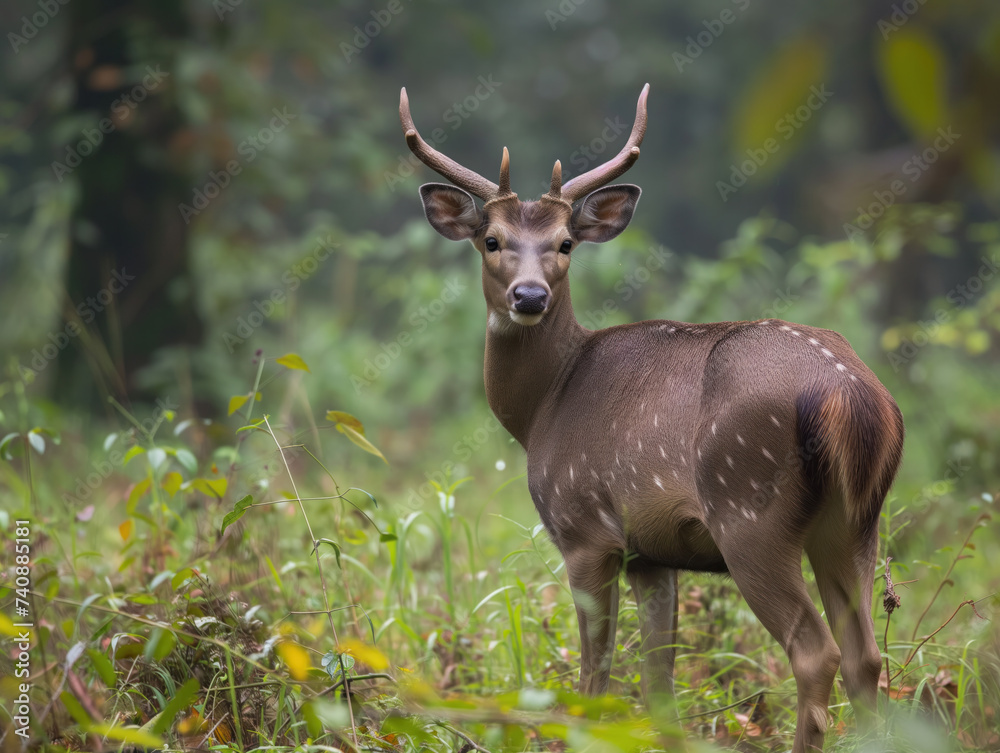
x,y
156,624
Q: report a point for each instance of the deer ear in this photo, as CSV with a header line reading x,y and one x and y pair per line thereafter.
x,y
451,211
603,214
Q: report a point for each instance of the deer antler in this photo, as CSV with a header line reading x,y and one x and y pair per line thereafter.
x,y
581,185
461,176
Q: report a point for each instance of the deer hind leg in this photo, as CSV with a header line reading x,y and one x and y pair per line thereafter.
x,y
655,591
766,563
844,562
594,582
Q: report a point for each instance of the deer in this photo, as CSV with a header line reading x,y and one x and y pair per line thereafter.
x,y
666,446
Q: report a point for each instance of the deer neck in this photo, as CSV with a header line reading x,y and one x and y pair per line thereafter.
x,y
524,364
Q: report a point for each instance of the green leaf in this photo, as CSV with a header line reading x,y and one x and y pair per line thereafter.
x,y
181,700
132,735
136,494
236,402
238,511
211,487
179,578
384,537
105,669
133,451
160,644
187,459
4,450
334,544
914,72
360,441
292,361
75,709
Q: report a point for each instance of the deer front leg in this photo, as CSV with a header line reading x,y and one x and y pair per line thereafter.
x,y
594,582
655,591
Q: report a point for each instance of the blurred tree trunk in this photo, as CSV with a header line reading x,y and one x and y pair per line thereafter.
x,y
129,279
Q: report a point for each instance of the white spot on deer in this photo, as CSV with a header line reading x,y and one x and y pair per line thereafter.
x,y
595,495
827,353
656,419
662,453
614,424
639,442
583,457
683,459
785,328
740,440
841,367
745,513
731,503
672,330
557,490
813,341
633,469
753,516
754,485
643,406
853,378
607,520
545,471
713,428
775,421
571,473
634,486
768,455
612,474
699,453
722,528
618,460
594,474
675,474
729,462
721,479
796,333
656,480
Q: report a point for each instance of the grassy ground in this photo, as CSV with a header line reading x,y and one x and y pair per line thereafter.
x,y
164,617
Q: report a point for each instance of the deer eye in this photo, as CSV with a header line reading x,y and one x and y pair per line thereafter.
x,y
566,247
492,244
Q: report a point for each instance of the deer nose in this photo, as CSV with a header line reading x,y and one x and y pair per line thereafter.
x,y
530,299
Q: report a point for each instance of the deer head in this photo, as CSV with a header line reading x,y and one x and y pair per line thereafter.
x,y
526,245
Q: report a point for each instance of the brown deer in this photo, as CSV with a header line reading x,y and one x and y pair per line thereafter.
x,y
662,445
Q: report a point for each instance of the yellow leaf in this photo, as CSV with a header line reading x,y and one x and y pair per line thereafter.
x,y
780,103
292,361
7,626
913,72
125,529
365,653
360,441
339,417
136,494
296,657
212,487
236,402
126,734
172,482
